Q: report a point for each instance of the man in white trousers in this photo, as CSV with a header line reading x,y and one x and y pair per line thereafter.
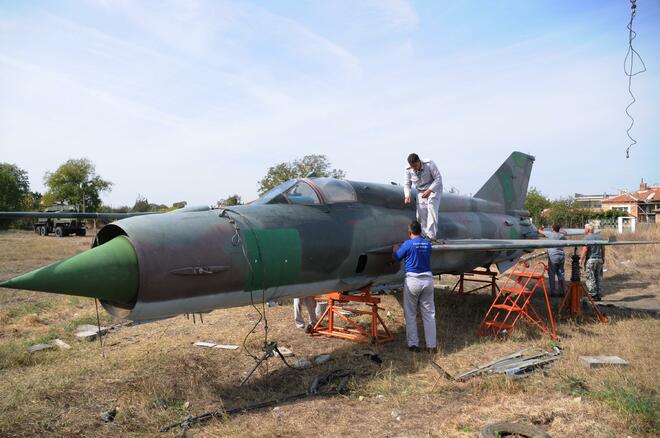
x,y
426,178
311,306
417,288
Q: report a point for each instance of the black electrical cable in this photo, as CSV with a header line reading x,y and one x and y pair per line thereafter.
x,y
630,54
236,240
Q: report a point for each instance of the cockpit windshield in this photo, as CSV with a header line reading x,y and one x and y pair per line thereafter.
x,y
276,191
290,192
305,192
335,190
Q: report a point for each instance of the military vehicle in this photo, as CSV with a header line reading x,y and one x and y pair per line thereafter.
x,y
307,236
61,226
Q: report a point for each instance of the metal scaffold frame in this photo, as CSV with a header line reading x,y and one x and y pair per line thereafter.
x,y
375,331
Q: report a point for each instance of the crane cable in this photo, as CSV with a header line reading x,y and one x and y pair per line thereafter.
x,y
630,55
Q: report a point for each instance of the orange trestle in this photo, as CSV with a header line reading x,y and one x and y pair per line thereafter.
x,y
474,276
374,332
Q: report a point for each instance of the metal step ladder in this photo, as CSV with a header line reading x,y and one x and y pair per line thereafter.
x,y
514,301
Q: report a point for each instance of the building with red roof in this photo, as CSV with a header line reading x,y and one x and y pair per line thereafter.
x,y
643,204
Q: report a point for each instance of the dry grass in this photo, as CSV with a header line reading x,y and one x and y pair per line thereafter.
x,y
155,376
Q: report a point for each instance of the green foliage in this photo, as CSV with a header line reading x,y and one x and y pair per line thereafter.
x,y
535,203
142,204
76,182
566,212
29,308
300,168
120,209
14,354
14,190
231,200
641,407
180,204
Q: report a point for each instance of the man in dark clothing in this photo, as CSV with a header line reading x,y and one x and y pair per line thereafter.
x,y
592,258
418,287
555,261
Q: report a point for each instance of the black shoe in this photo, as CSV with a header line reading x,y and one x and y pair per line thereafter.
x,y
597,297
433,350
414,349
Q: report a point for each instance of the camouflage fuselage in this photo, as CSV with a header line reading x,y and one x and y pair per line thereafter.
x,y
194,261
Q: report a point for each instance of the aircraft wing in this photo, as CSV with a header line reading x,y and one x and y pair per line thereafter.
x,y
516,244
65,215
526,244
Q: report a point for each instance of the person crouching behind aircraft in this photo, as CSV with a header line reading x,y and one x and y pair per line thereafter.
x,y
592,258
426,178
417,287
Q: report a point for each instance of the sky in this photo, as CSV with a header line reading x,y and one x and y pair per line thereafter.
x,y
194,100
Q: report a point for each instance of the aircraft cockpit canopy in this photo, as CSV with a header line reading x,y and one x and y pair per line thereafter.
x,y
312,191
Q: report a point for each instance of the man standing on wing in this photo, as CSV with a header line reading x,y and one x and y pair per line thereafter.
x,y
417,287
426,178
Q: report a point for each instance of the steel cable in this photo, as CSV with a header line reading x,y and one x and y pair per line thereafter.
x,y
630,72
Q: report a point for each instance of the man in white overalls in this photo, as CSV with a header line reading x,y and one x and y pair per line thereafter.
x,y
426,178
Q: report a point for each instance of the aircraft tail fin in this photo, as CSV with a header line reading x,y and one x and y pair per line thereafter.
x,y
508,185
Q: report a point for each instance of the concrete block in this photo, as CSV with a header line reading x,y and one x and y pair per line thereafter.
x,y
61,344
285,351
302,364
214,345
204,344
322,358
602,361
40,347
89,332
226,346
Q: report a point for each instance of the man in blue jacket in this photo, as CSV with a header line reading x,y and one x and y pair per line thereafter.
x,y
418,287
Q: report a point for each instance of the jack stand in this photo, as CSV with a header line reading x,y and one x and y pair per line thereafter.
x,y
492,282
269,350
355,331
576,292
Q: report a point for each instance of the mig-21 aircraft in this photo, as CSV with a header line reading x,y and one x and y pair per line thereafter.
x,y
307,236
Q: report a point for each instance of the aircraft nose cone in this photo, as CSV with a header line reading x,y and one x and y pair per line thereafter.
x,y
109,271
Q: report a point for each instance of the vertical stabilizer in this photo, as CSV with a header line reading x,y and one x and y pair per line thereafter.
x,y
508,185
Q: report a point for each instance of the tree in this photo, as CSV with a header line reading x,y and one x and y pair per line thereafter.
x,y
300,168
180,204
231,200
14,190
76,182
14,187
535,203
141,205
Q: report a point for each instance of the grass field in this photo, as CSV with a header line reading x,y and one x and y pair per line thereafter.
x,y
154,376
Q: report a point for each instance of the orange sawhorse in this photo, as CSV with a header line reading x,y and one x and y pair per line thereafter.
x,y
354,331
515,301
492,282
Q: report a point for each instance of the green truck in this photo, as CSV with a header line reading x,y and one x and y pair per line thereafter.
x,y
60,226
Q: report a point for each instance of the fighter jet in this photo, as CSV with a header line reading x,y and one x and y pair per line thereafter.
x,y
307,236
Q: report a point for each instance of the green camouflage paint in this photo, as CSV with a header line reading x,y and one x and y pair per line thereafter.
x,y
107,272
275,257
